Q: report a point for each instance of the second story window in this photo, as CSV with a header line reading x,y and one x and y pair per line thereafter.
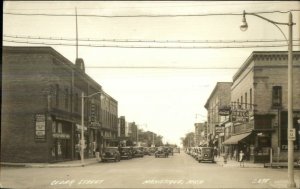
x,y
57,95
277,96
246,100
76,100
250,99
66,98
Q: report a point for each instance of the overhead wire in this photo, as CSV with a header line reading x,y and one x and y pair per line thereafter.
x,y
136,16
149,46
148,41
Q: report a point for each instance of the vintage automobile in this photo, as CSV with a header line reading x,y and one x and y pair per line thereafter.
x,y
176,150
147,151
126,153
170,150
161,152
137,152
152,150
111,153
205,154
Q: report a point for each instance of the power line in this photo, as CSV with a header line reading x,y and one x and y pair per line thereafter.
x,y
136,16
163,67
149,46
160,6
146,47
148,41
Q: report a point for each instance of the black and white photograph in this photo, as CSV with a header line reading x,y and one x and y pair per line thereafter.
x,y
150,94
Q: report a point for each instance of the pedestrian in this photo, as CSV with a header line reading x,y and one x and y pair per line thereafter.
x,y
215,152
97,153
241,158
78,150
235,155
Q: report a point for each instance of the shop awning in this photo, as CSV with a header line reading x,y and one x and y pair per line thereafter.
x,y
235,139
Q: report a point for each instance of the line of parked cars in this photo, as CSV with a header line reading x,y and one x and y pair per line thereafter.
x,y
129,152
118,153
201,154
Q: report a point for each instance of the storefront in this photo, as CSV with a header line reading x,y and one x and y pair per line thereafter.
x,y
61,149
237,143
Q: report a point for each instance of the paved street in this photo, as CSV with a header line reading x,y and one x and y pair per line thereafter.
x,y
178,171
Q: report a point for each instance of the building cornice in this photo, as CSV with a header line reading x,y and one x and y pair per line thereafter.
x,y
265,56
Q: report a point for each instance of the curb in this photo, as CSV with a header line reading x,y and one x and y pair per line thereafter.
x,y
29,165
237,165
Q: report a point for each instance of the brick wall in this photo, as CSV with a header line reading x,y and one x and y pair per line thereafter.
x,y
25,81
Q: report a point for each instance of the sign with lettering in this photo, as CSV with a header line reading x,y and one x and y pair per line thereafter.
x,y
93,113
292,134
240,115
219,130
61,135
40,127
224,111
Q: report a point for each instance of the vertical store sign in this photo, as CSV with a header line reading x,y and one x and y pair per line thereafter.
x,y
40,127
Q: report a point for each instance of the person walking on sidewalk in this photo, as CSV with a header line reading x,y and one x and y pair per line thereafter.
x,y
241,158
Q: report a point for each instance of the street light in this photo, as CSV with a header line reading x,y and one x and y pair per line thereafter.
x,y
244,27
82,124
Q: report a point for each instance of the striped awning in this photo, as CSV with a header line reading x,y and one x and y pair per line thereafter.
x,y
235,139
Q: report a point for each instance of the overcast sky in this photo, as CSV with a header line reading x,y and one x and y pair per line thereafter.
x,y
164,100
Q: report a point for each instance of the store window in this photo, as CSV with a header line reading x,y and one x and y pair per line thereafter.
x,y
53,127
59,128
283,134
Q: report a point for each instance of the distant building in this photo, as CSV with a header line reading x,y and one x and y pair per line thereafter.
x,y
200,136
133,132
218,99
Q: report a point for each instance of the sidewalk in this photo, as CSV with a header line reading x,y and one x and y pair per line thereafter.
x,y
75,163
233,163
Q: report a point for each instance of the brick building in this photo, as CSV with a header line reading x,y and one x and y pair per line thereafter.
x,y
41,107
219,98
259,106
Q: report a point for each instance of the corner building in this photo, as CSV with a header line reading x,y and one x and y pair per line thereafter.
x,y
258,121
41,107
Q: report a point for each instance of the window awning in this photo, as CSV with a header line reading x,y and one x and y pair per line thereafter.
x,y
235,139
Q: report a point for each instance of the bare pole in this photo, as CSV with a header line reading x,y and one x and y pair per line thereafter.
x,y
291,183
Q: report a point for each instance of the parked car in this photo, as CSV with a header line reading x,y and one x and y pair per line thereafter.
x,y
147,151
111,153
161,152
176,150
137,152
152,150
205,154
170,150
126,152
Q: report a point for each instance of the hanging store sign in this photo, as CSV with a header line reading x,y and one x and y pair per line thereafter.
x,y
224,111
40,127
93,113
95,124
78,128
240,115
219,130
